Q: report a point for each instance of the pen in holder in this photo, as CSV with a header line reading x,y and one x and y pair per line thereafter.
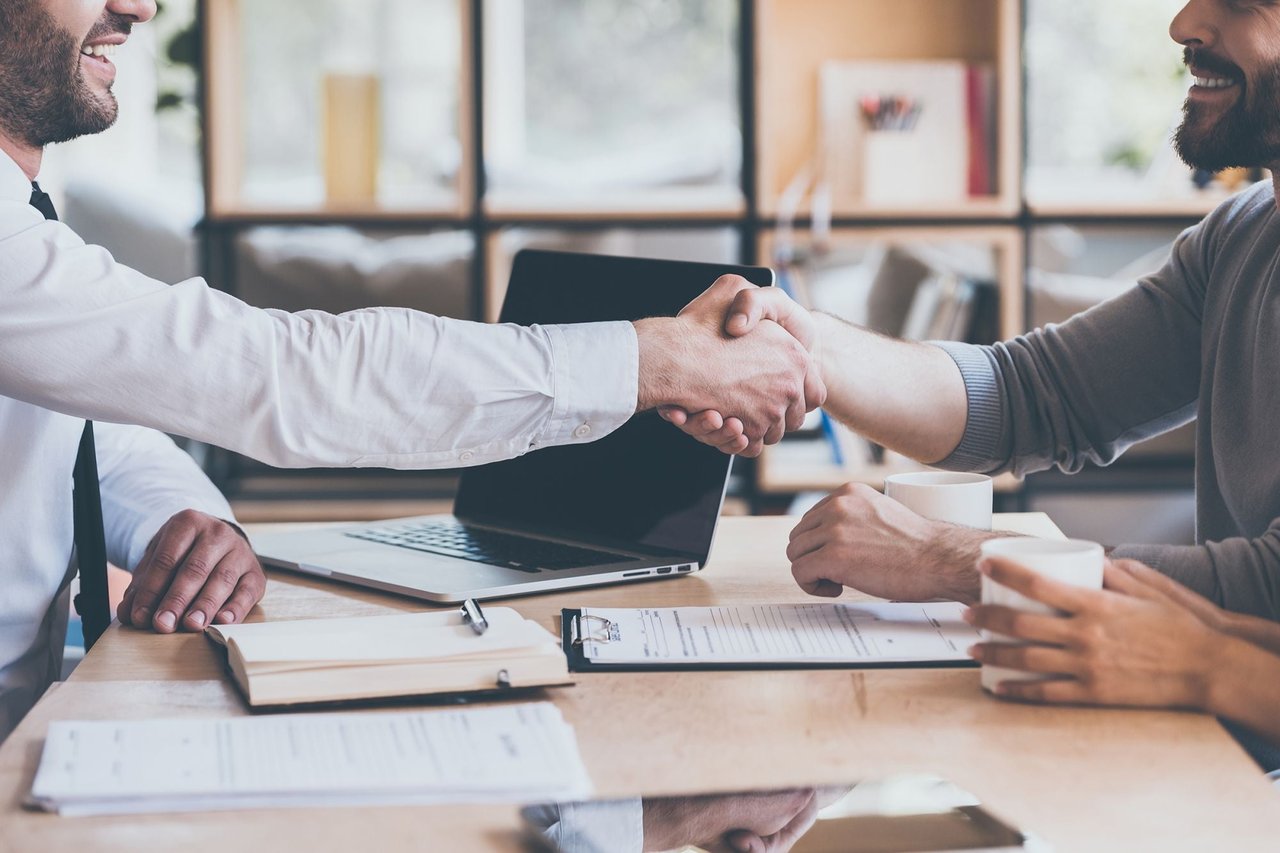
x,y
894,154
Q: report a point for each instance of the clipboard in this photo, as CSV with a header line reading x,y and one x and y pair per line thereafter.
x,y
571,637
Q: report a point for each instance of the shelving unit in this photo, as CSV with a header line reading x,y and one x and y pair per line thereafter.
x,y
775,50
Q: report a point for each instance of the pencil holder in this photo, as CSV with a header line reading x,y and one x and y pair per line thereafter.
x,y
896,169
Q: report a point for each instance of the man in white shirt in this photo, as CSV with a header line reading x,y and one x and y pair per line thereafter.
x,y
84,337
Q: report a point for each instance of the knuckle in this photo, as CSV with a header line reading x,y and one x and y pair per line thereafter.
x,y
197,567
188,516
226,575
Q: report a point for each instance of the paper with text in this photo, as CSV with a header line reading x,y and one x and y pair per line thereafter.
x,y
778,633
513,752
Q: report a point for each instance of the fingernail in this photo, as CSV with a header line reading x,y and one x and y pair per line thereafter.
x,y
166,619
738,320
226,617
984,567
967,615
196,618
142,616
974,652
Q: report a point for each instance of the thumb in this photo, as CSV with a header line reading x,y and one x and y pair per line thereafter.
x,y
745,313
673,414
752,305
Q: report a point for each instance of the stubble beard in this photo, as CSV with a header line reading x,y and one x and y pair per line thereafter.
x,y
44,96
1245,135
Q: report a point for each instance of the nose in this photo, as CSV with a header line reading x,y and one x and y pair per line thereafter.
x,y
139,11
1194,25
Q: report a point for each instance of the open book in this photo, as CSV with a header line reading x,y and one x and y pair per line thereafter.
x,y
375,657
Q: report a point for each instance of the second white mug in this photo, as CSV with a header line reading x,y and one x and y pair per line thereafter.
x,y
1071,561
948,496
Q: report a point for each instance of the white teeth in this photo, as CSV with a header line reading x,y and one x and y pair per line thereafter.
x,y
99,50
1214,82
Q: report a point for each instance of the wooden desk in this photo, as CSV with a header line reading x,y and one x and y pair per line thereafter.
x,y
1084,779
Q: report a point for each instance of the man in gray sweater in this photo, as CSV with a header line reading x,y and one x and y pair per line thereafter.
x,y
1200,339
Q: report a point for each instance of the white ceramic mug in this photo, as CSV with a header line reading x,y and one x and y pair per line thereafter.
x,y
956,498
1070,561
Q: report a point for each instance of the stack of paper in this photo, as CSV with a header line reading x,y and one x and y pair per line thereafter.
x,y
510,753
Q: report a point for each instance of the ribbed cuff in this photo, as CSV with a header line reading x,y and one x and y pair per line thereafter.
x,y
985,424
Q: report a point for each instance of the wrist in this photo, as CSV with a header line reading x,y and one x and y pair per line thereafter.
x,y
1225,668
660,342
952,556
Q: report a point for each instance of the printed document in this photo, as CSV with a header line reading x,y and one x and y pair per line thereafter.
x,y
778,633
508,753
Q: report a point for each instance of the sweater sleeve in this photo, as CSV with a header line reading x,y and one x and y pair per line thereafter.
x,y
1085,390
1238,574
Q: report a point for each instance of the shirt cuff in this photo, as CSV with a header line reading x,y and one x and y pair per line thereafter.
x,y
596,370
984,426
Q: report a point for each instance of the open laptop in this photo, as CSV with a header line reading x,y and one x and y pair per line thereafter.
x,y
639,503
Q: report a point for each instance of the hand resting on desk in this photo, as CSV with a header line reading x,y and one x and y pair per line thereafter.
x,y
197,570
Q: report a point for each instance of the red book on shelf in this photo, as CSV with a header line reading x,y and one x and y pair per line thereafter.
x,y
978,80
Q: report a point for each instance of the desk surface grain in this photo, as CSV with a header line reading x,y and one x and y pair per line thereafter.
x,y
1083,779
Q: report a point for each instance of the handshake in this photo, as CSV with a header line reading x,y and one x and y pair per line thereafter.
x,y
735,370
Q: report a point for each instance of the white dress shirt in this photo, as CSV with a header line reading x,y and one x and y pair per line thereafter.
x,y
145,479
383,387
86,337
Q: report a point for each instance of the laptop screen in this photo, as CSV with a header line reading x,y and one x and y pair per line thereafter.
x,y
647,485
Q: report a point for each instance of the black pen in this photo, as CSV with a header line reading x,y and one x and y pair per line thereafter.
x,y
474,616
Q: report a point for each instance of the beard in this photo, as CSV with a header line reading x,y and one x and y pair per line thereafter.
x,y
1246,135
44,97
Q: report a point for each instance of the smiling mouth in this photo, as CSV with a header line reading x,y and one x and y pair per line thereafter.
x,y
1214,82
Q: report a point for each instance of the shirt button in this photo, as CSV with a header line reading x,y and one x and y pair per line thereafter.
x,y
582,431
466,456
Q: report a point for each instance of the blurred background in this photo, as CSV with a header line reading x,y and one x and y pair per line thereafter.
x,y
964,169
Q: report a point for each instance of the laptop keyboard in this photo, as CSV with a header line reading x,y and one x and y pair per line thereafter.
x,y
451,539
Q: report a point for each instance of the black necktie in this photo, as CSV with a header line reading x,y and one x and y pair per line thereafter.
x,y
93,602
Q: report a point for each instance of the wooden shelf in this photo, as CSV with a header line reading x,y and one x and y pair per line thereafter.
x,y
1005,241
226,83
1189,207
666,203
795,37
246,215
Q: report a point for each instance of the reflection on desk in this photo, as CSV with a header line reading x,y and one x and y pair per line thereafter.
x,y
907,814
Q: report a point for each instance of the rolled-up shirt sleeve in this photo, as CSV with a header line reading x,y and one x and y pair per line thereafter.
x,y
83,335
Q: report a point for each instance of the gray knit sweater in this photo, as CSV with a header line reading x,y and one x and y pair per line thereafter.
x,y
1199,339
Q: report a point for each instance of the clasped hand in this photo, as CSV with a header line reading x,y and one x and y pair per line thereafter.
x,y
750,372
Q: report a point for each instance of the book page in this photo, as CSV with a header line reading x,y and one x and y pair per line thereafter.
x,y
779,633
433,756
370,639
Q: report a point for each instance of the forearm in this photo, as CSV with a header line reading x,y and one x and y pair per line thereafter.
x,y
1263,633
1238,574
1244,686
906,396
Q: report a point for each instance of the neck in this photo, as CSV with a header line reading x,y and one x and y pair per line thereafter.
x,y
27,158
